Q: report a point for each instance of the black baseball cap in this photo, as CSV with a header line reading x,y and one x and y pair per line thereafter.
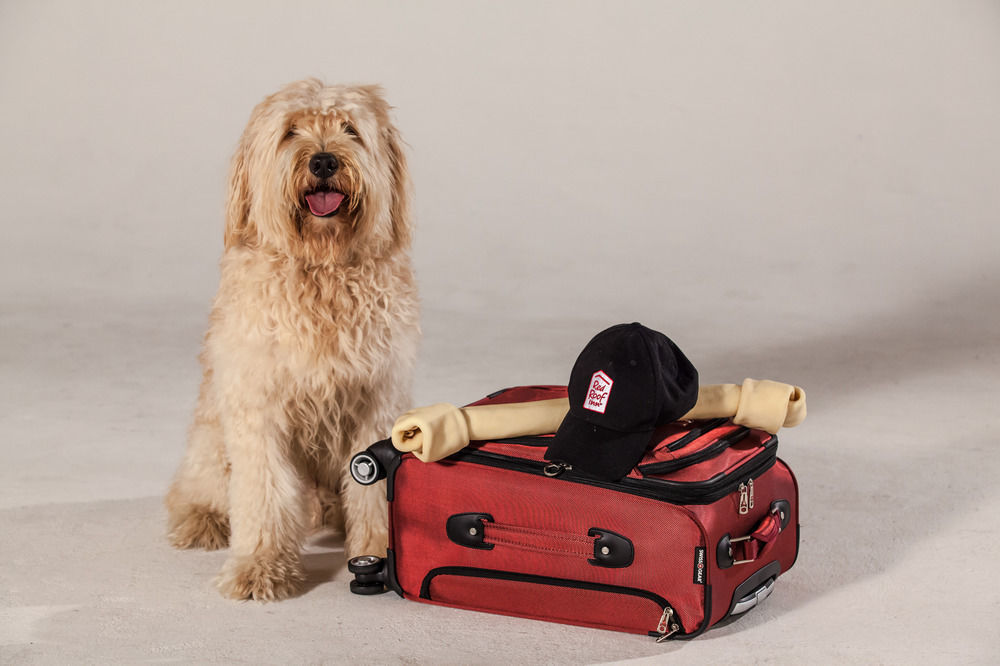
x,y
627,380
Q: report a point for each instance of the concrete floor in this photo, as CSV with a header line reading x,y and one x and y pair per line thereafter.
x,y
896,462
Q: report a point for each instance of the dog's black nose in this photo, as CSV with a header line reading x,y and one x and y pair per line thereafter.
x,y
323,165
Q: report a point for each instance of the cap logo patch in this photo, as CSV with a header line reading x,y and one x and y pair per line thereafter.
x,y
598,393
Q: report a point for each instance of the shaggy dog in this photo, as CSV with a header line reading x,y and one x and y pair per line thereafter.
x,y
311,340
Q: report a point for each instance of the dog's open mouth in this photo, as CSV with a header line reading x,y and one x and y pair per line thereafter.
x,y
324,203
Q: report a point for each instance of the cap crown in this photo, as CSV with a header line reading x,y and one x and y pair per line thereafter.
x,y
631,378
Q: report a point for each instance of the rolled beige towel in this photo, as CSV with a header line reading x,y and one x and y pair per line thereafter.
x,y
435,432
758,403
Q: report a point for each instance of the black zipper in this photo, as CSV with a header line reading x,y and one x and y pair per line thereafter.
x,y
710,451
675,492
543,440
531,440
494,574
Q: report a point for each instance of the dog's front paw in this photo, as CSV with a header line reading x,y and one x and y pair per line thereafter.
x,y
260,578
197,527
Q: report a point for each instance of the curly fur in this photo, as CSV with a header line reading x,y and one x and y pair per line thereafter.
x,y
311,340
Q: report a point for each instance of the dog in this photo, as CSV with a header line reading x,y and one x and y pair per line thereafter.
x,y
311,340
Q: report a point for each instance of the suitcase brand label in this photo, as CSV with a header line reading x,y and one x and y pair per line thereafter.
x,y
598,393
699,565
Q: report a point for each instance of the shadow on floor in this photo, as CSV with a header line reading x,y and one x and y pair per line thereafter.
x,y
903,435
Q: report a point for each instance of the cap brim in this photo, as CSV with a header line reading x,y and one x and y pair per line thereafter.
x,y
601,452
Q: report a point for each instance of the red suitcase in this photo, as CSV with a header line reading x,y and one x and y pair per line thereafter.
x,y
697,532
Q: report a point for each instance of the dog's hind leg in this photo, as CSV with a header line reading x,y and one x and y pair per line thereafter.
x,y
198,499
331,513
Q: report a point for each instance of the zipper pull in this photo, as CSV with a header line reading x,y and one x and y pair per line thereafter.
x,y
556,468
750,486
744,499
667,627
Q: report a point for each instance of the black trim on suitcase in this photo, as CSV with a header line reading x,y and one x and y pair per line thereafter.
x,y
675,492
391,582
703,492
798,535
798,526
707,622
539,441
494,574
695,433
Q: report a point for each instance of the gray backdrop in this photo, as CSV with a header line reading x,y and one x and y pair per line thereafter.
x,y
803,191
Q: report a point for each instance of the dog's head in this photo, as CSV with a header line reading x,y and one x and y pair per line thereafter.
x,y
320,175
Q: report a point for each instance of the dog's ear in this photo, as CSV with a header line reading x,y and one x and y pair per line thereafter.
x,y
399,209
401,188
238,230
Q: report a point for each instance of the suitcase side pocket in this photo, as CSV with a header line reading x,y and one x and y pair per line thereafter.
x,y
553,599
698,454
705,482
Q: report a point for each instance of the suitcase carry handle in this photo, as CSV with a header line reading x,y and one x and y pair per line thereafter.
x,y
601,547
755,543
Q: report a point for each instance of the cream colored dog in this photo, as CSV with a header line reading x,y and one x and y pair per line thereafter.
x,y
311,340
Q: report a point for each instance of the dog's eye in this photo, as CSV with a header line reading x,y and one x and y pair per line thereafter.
x,y
290,134
349,129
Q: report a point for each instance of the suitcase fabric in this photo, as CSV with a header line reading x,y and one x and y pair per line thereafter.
x,y
697,532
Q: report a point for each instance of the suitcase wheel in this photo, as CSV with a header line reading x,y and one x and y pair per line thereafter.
x,y
366,564
366,588
369,574
366,469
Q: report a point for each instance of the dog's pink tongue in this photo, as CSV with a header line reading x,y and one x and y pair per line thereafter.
x,y
324,203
